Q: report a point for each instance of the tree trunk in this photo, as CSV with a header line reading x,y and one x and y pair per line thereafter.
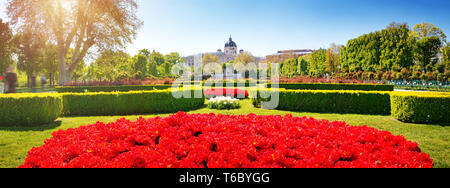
x,y
64,74
65,77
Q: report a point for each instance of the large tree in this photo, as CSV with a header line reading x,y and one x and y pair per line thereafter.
x,y
446,56
317,64
396,50
428,30
109,66
139,66
78,24
430,39
244,58
157,58
5,46
50,62
332,62
29,49
174,58
209,58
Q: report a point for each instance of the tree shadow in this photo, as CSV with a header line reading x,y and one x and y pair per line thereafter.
x,y
45,127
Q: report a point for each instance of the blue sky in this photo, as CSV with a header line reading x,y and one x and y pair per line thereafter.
x,y
265,26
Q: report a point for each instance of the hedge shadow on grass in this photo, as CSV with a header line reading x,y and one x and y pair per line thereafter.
x,y
433,124
45,127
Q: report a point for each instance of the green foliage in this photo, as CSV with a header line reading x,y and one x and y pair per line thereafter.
x,y
167,67
208,58
128,103
303,65
81,25
109,66
362,53
317,63
421,107
426,51
332,86
343,102
152,69
396,49
332,62
50,62
446,56
29,109
388,49
6,36
140,66
157,58
289,67
69,89
425,30
29,47
174,58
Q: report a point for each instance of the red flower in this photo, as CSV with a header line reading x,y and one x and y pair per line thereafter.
x,y
223,141
1,78
217,92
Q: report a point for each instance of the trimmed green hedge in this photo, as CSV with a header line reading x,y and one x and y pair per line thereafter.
x,y
354,102
128,103
421,107
29,109
332,86
86,89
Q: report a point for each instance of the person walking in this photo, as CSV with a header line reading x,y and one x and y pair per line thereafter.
x,y
10,80
43,81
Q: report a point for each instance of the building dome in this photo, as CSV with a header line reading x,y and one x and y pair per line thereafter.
x,y
230,43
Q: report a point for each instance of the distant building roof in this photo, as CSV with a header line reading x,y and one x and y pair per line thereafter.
x,y
230,43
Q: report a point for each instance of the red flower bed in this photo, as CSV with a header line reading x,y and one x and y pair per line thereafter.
x,y
218,92
222,141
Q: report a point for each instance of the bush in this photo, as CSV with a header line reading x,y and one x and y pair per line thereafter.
x,y
224,141
356,102
128,103
224,103
421,107
333,86
85,89
29,109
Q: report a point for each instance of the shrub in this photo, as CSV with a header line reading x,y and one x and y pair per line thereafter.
x,y
29,109
333,86
84,89
223,103
129,103
357,102
421,107
223,141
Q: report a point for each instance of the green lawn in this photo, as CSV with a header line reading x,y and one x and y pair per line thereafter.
x,y
433,139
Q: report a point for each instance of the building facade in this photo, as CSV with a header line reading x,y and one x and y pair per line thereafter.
x,y
283,55
228,54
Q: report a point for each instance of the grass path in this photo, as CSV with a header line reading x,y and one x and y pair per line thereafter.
x,y
433,139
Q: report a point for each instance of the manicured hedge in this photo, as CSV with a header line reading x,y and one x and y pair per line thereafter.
x,y
85,89
128,103
421,107
333,86
29,109
354,102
